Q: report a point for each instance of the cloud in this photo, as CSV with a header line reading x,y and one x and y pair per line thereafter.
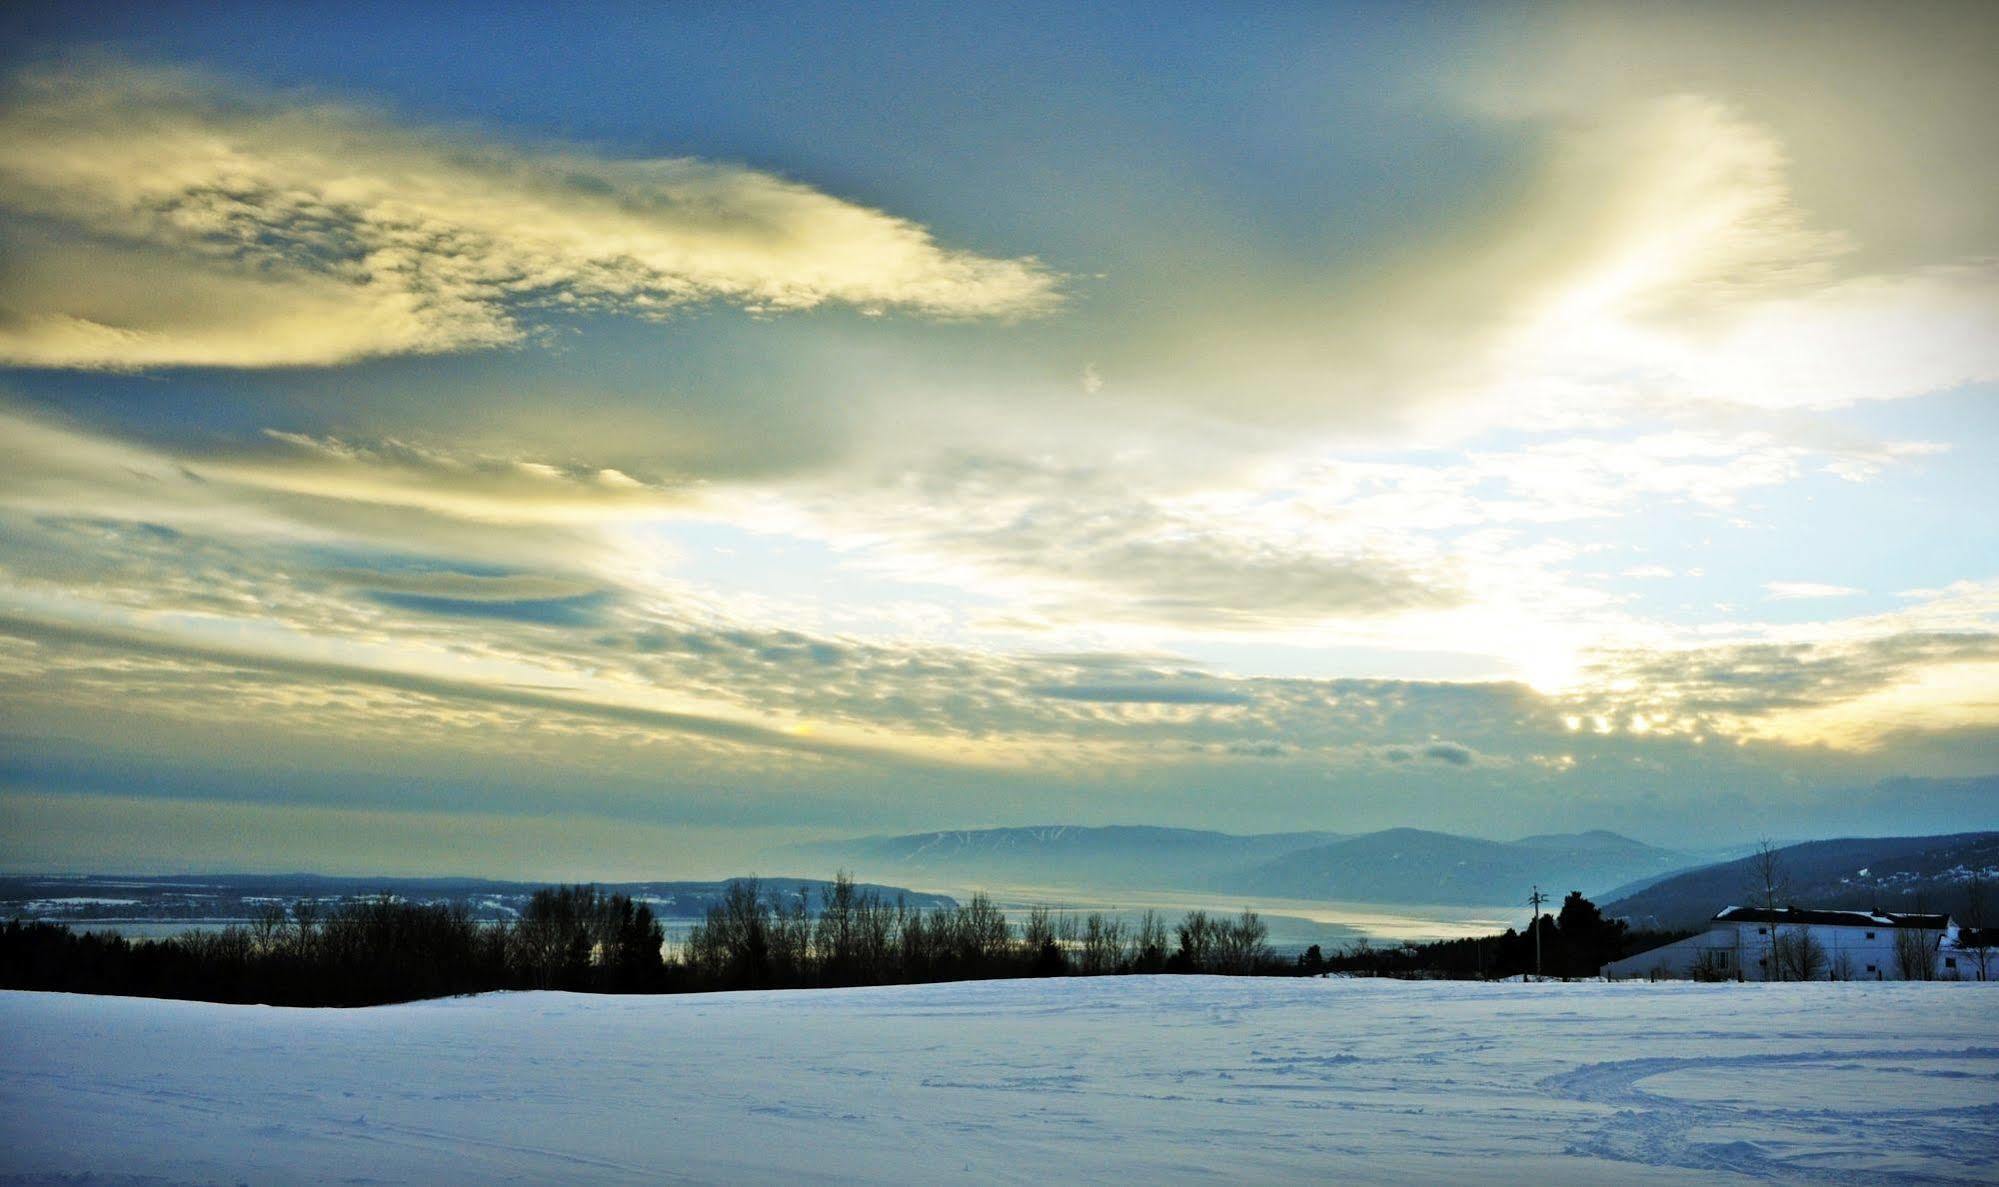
x,y
924,544
515,514
431,582
1265,748
1693,273
671,699
743,733
1652,254
1894,152
578,611
1446,752
1112,543
159,218
1357,554
461,485
1161,693
1846,684
1787,591
1458,549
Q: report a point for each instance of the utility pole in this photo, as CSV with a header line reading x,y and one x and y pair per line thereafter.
x,y
1537,898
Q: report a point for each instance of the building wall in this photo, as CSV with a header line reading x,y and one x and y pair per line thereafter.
x,y
1869,951
1674,961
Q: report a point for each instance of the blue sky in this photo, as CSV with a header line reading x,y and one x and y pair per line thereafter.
x,y
626,438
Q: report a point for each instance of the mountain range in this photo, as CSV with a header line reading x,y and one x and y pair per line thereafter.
x,y
1124,856
1650,886
1932,873
1403,865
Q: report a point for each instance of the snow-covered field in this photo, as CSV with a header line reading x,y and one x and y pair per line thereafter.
x,y
1130,1080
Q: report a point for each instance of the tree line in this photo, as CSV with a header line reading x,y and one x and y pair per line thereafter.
x,y
1575,941
756,940
362,952
385,949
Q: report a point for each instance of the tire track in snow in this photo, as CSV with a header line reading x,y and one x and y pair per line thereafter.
x,y
1655,1130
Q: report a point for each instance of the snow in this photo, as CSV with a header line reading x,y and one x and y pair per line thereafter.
x,y
1128,1079
57,904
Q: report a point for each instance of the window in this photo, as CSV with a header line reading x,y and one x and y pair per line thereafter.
x,y
1762,931
1950,962
1871,968
1870,935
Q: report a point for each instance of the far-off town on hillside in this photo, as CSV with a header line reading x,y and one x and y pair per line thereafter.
x,y
921,593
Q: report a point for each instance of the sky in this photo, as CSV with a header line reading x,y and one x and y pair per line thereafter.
x,y
622,440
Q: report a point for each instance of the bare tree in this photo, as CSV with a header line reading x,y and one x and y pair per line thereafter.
x,y
1767,878
1841,968
925,943
1239,943
1976,935
305,925
551,940
834,938
267,927
1916,953
1711,964
982,933
1148,945
1767,885
1038,941
1101,946
790,937
875,921
1797,955
1196,933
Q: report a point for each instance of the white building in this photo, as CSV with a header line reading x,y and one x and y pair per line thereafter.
x,y
1752,943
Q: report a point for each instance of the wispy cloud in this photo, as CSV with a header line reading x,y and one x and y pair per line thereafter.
x,y
1788,591
165,219
324,673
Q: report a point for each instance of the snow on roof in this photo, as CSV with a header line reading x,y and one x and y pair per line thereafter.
x,y
1889,919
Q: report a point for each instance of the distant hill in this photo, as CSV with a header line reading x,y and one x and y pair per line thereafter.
x,y
94,898
1397,866
1885,873
1408,865
1596,840
1115,856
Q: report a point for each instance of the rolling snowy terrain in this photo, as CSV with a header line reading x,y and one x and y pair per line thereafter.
x,y
1130,1079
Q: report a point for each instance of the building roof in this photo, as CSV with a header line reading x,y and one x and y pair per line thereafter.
x,y
1978,937
1887,919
